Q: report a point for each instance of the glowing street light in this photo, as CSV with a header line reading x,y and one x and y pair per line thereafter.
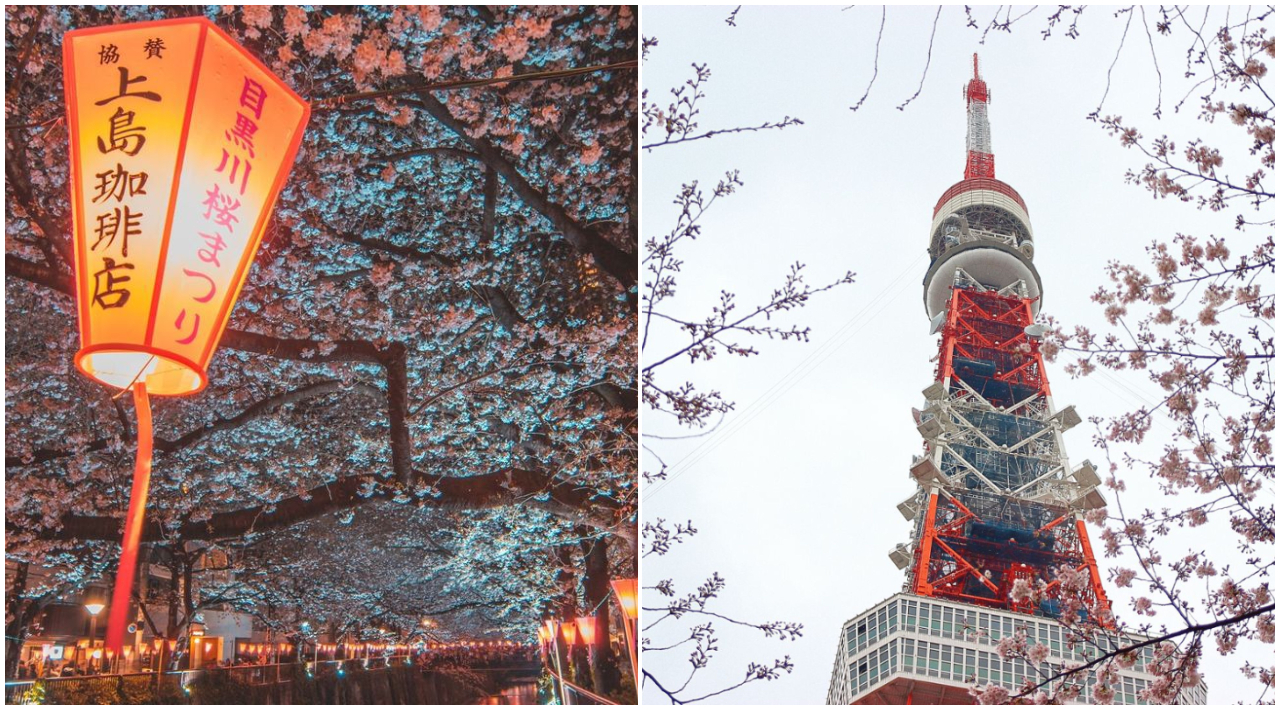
x,y
180,141
94,607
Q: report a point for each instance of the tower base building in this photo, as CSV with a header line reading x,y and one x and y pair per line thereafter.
x,y
910,650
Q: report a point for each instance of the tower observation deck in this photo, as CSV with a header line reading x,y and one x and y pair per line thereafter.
x,y
998,509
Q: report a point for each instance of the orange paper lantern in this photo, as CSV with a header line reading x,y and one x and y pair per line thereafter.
x,y
180,141
587,629
569,632
625,590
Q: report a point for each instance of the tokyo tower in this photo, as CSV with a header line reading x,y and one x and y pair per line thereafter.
x,y
998,509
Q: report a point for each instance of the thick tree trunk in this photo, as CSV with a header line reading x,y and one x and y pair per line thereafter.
x,y
604,664
395,360
577,652
183,648
581,667
171,621
568,604
15,632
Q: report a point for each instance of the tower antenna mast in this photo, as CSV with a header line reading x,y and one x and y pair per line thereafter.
x,y
981,162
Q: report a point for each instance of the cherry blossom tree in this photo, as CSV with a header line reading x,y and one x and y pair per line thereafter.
x,y
1199,323
429,379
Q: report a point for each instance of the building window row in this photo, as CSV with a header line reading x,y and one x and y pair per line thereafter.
x,y
965,666
984,627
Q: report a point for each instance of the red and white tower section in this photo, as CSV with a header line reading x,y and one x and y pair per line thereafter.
x,y
998,507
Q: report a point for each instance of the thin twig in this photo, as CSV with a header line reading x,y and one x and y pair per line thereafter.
x,y
875,72
928,59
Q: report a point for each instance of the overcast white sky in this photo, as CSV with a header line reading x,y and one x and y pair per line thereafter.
x,y
794,495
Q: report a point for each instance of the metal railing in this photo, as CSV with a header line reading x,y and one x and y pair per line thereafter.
x,y
148,686
579,695
83,689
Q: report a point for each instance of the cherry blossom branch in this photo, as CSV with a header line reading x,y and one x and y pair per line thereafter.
x,y
793,293
782,629
28,43
403,251
168,446
1198,629
767,125
670,695
659,258
928,60
55,250
1171,353
501,488
611,259
330,103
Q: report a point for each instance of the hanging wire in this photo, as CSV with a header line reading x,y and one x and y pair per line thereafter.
x,y
134,381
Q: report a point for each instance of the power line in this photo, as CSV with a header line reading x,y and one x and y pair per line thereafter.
x,y
806,367
1129,392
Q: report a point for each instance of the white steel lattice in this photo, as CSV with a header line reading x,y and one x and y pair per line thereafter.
x,y
979,137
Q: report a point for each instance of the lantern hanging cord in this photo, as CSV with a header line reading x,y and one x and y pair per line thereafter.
x,y
328,104
121,593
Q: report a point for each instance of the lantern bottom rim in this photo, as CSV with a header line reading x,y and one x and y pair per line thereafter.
x,y
122,365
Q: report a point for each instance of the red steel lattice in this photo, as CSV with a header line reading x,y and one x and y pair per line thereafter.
x,y
985,327
983,342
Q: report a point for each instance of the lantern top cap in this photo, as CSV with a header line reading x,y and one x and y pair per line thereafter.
x,y
193,20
